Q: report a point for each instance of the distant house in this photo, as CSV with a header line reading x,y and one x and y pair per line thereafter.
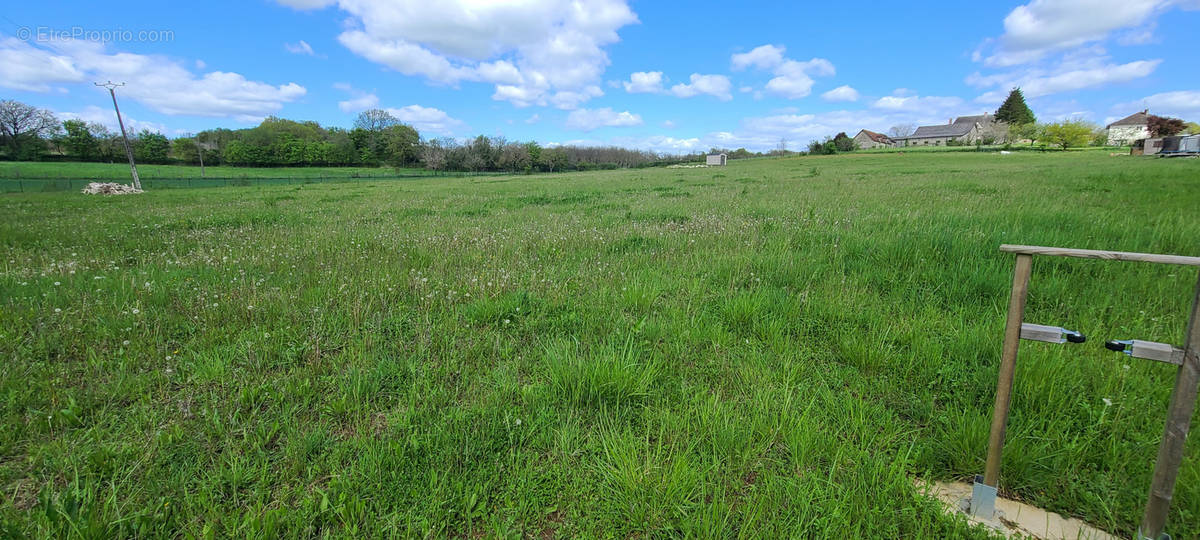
x,y
1134,127
716,159
963,130
867,140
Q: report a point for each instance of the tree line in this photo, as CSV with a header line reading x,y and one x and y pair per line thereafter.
x,y
376,139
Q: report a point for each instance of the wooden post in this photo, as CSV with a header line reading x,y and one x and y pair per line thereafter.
x,y
1179,419
1008,366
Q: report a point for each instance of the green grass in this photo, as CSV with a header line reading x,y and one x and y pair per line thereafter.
x,y
13,170
772,349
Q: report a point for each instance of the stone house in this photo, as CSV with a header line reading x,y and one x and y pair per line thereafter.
x,y
963,130
1125,131
716,159
867,140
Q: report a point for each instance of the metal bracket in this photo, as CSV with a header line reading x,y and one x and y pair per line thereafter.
x,y
983,499
1162,352
1163,536
1050,334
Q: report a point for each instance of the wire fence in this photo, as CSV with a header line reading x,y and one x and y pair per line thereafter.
x,y
43,185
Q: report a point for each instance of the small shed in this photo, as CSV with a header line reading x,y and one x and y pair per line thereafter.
x,y
716,159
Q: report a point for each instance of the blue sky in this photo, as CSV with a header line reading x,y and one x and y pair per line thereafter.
x,y
672,77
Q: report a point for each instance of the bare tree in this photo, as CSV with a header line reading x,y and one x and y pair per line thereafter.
x,y
20,122
375,120
901,130
434,152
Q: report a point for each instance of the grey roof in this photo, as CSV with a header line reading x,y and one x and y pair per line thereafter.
x,y
980,119
947,130
1140,118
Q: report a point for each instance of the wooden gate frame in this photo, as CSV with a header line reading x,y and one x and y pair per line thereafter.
x,y
1179,412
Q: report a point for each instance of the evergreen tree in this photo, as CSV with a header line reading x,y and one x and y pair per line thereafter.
x,y
1014,111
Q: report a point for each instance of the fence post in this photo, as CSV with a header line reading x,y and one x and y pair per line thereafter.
x,y
984,491
1179,419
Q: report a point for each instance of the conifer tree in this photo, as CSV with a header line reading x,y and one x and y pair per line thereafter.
x,y
1014,111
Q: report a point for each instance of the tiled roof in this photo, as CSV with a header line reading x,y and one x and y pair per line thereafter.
x,y
946,130
877,137
980,119
1141,118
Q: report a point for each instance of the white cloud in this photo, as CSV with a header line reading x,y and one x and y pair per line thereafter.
x,y
841,93
299,48
1042,27
1179,103
426,119
533,119
160,83
761,57
717,86
918,104
793,79
535,52
1088,68
668,124
571,99
24,67
644,82
589,119
359,100
108,118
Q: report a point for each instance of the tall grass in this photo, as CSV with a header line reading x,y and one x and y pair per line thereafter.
x,y
773,349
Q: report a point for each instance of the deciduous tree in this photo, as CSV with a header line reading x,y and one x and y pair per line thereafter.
x,y
1164,126
23,128
1069,133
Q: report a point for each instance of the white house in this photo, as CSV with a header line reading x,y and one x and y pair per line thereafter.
x,y
867,140
1134,127
716,159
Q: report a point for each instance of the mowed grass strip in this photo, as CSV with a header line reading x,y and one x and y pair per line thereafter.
x,y
772,349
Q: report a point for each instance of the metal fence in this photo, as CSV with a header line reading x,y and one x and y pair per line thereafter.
x,y
40,185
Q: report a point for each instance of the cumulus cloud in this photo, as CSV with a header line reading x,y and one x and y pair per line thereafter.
x,y
426,119
761,57
590,119
841,93
717,86
1042,27
535,52
160,83
793,79
1181,103
644,82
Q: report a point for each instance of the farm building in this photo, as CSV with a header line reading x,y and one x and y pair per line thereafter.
x,y
867,140
1134,127
1180,145
963,130
716,159
1147,147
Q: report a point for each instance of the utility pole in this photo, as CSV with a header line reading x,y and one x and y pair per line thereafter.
x,y
200,152
111,86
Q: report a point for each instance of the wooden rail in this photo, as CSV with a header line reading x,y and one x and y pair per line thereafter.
x,y
1098,254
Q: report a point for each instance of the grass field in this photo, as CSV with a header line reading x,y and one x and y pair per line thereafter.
x,y
772,349
119,171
